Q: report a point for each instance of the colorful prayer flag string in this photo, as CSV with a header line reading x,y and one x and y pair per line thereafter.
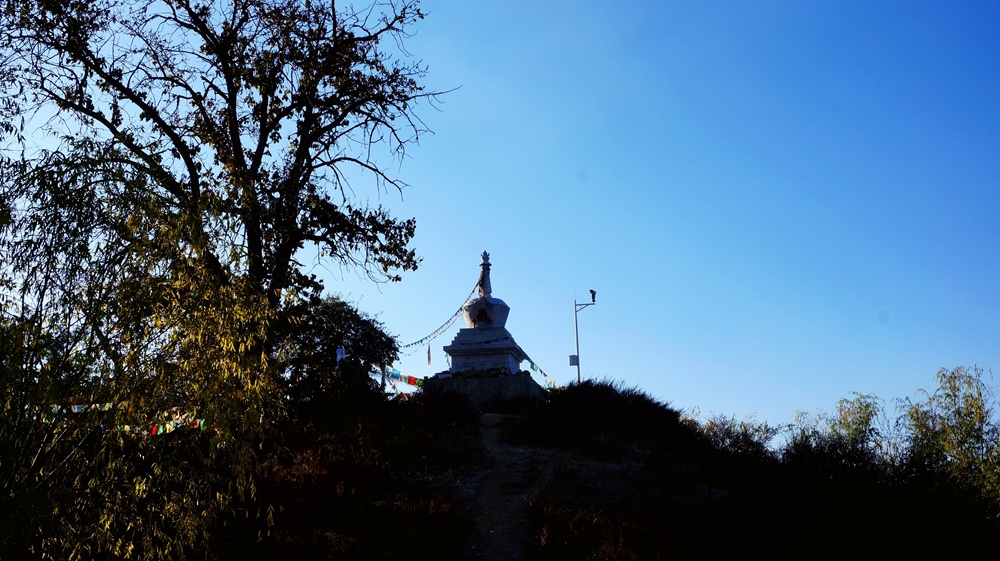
x,y
434,334
395,374
535,368
178,422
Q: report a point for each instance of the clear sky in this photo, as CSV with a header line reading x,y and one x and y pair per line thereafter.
x,y
778,203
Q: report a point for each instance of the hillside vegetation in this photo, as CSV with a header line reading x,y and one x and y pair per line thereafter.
x,y
602,471
595,471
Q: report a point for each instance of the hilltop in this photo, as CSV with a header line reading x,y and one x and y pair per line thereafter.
x,y
602,471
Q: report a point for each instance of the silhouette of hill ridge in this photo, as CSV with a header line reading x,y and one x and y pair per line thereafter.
x,y
604,471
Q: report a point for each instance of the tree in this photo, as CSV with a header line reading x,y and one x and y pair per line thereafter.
x,y
193,149
319,382
954,431
858,437
229,125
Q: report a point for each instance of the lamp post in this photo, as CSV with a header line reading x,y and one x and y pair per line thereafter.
x,y
575,359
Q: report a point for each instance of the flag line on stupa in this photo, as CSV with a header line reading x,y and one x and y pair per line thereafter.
x,y
434,334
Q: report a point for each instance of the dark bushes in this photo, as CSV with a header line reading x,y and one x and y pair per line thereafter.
x,y
602,418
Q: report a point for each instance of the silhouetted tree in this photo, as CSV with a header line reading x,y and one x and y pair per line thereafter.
x,y
193,149
321,384
954,431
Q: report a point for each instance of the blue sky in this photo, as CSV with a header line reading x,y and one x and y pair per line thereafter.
x,y
778,203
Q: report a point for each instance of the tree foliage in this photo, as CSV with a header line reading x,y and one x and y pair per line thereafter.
x,y
230,128
322,384
955,431
151,245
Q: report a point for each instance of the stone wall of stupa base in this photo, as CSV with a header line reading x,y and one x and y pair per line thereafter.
x,y
485,391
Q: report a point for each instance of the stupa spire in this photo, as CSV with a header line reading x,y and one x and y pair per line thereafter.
x,y
485,290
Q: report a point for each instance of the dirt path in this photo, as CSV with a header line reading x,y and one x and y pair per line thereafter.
x,y
511,476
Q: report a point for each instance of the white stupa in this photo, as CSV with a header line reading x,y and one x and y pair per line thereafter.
x,y
485,344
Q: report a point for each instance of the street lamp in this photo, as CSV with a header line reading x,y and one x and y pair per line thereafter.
x,y
574,360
